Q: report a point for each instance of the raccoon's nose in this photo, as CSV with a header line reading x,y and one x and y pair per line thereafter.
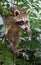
x,y
25,28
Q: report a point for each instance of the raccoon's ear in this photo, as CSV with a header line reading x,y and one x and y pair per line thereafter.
x,y
16,12
28,11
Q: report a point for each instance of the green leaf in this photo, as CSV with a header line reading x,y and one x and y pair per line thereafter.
x,y
3,1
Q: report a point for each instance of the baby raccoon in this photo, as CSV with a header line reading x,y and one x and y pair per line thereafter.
x,y
13,24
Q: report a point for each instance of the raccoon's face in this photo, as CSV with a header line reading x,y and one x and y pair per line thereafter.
x,y
21,17
23,20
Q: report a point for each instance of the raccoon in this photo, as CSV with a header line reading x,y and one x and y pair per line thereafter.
x,y
13,24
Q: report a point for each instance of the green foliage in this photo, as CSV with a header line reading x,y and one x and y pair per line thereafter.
x,y
3,1
31,47
5,56
1,27
4,8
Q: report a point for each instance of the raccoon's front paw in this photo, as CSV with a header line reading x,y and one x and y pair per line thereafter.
x,y
29,33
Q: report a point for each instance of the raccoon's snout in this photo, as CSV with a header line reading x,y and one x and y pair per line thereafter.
x,y
25,28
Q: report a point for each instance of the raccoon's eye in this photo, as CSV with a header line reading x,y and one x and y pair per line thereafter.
x,y
20,23
27,22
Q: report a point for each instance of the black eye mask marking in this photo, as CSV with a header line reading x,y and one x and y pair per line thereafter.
x,y
20,23
27,22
